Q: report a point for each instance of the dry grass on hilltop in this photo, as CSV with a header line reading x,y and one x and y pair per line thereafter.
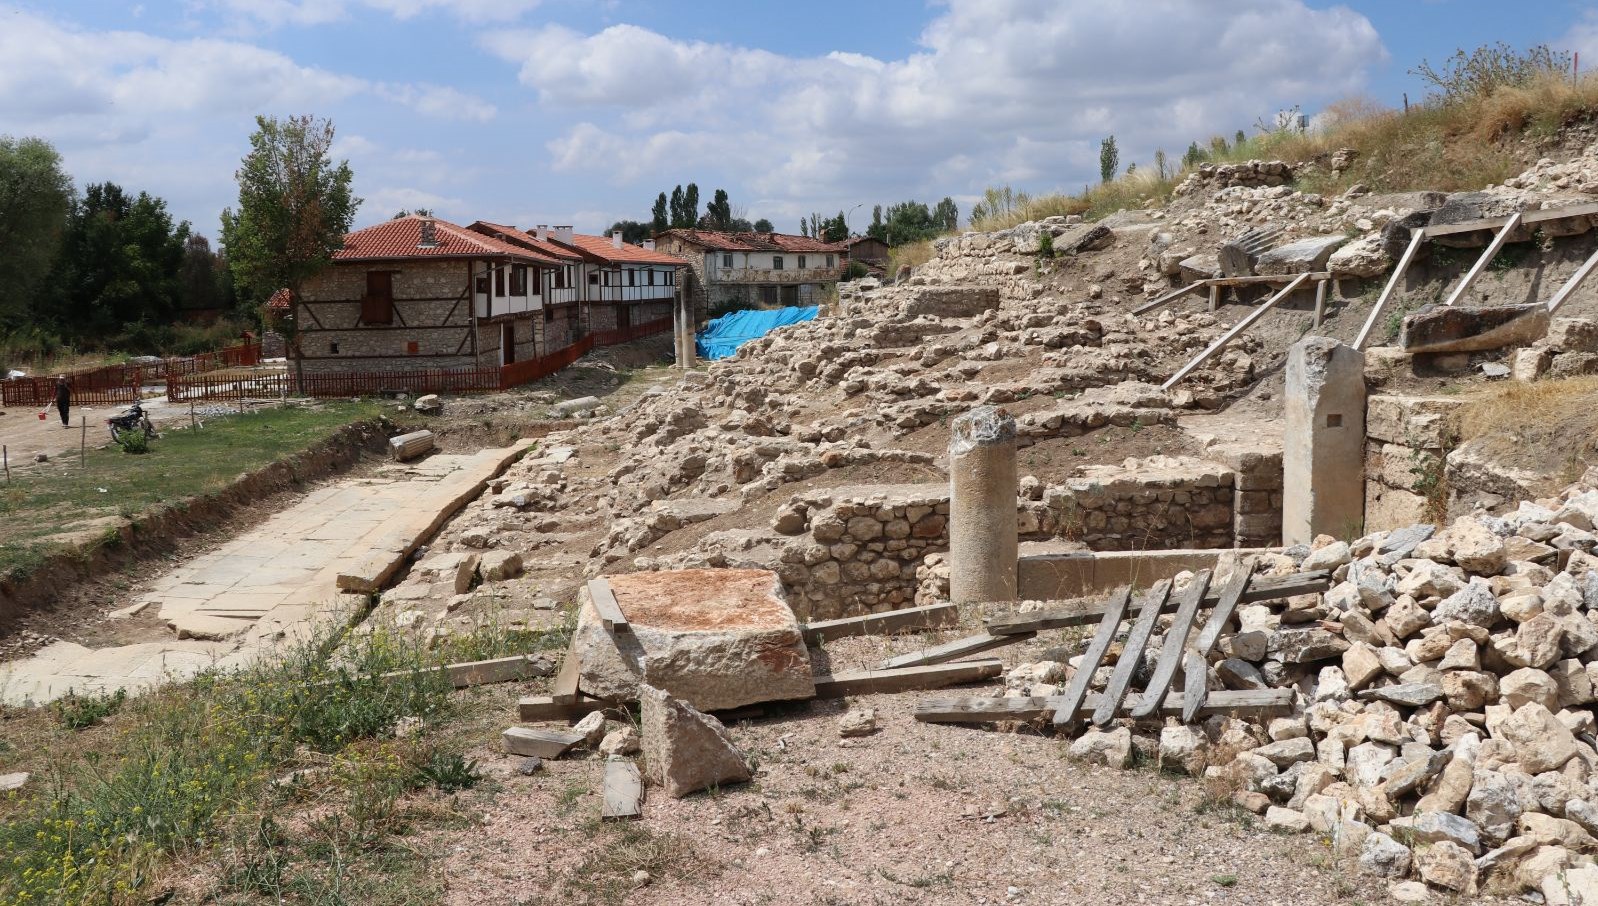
x,y
1547,426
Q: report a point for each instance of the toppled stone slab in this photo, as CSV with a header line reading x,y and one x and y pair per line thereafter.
x,y
1437,328
715,638
1301,257
686,750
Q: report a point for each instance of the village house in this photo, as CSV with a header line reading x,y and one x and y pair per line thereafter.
x,y
754,270
419,292
868,251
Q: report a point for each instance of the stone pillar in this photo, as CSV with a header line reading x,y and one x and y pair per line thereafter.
x,y
676,331
1323,446
685,334
982,507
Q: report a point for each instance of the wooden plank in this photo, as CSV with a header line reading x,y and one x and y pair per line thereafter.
x,y
624,790
1215,297
496,670
1168,298
909,619
1526,217
605,605
1320,302
1242,325
1131,654
1415,243
1480,267
950,651
980,709
533,708
934,676
1195,684
1231,594
1253,279
1114,612
1576,279
542,743
564,689
1258,590
1171,653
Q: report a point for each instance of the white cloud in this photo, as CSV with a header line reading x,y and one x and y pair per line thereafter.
x,y
440,101
303,13
1583,38
999,90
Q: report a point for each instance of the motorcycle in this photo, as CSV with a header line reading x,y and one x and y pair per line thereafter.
x,y
133,420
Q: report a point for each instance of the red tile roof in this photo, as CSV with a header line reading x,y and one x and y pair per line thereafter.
x,y
527,240
279,301
601,247
401,239
753,242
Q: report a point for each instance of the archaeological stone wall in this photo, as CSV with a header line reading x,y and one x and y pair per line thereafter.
x,y
1406,440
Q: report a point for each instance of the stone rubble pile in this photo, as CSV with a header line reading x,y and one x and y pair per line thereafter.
x,y
1444,726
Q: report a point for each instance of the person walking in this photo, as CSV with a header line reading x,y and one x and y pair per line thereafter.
x,y
63,399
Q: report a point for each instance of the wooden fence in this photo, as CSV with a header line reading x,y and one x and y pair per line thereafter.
x,y
107,385
634,332
243,355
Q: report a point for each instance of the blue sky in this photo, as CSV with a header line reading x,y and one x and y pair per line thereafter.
x,y
580,111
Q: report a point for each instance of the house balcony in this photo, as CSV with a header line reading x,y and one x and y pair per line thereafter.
x,y
631,293
766,277
506,305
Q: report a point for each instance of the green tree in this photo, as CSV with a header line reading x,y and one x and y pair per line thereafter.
x,y
676,209
1194,156
946,215
878,229
660,220
764,226
295,205
1109,159
1240,139
720,211
1162,165
35,198
690,205
632,231
200,277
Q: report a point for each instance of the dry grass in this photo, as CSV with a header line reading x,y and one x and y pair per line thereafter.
x,y
1548,426
914,254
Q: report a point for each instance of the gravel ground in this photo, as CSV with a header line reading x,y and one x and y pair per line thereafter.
x,y
915,813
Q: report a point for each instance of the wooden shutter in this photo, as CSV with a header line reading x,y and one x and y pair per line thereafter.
x,y
377,306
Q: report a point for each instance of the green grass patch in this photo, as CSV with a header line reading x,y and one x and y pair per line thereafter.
x,y
293,780
41,511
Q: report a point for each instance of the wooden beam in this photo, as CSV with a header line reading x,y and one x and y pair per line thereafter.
x,y
474,673
951,651
1171,652
977,710
605,604
541,743
624,790
1242,325
1259,590
1320,302
1526,217
1131,654
1078,689
1231,594
1195,685
1168,298
1415,242
1215,297
1482,262
564,689
1267,278
909,619
935,676
1576,279
534,708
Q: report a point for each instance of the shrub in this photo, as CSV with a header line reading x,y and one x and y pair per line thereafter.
x,y
79,712
1469,76
135,442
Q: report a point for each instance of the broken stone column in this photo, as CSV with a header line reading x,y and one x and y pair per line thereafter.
x,y
983,538
685,332
1323,446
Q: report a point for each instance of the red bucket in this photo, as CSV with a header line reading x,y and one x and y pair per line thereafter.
x,y
42,416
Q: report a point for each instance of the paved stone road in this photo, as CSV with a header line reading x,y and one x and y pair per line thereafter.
x,y
309,563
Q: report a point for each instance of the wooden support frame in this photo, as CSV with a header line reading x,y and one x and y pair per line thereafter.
x,y
1168,298
1576,279
605,605
951,651
1271,589
1526,217
909,619
932,676
1242,325
1131,654
1171,653
978,710
1480,266
1415,242
1114,612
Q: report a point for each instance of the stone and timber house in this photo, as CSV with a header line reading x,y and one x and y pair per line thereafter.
x,y
754,270
419,293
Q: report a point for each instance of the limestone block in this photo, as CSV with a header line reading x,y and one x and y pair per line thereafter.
x,y
1323,455
716,638
686,750
1301,257
1439,329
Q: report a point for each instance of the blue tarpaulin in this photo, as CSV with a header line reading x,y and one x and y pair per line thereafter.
x,y
722,337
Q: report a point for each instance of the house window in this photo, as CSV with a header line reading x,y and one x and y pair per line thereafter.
x,y
499,281
632,277
829,261
726,260
593,278
482,285
549,314
801,262
518,280
776,262
651,276
377,306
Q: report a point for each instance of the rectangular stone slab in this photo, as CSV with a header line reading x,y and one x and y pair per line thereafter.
x,y
542,743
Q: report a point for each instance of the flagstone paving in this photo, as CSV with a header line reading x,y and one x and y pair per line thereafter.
x,y
310,563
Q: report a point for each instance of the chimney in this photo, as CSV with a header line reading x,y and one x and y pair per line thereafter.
x,y
542,232
563,235
429,236
649,244
615,239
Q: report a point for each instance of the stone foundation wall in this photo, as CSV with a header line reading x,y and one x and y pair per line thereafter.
x,y
1158,502
1406,439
